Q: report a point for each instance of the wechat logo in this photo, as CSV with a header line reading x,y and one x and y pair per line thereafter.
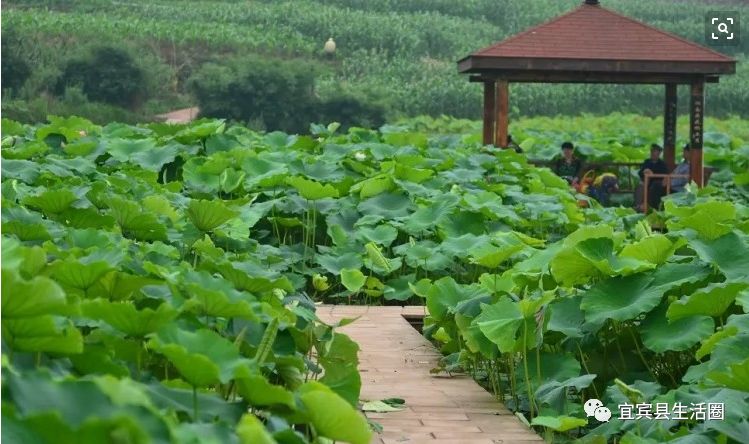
x,y
596,409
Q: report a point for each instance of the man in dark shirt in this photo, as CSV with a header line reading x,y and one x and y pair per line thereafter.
x,y
654,165
568,166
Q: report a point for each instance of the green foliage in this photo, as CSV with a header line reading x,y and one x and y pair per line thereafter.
x,y
106,74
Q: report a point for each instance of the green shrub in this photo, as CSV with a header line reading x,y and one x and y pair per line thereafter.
x,y
106,74
278,94
15,68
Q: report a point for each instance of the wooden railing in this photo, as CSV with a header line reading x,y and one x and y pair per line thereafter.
x,y
667,179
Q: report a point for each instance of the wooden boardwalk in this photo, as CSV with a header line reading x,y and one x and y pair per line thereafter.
x,y
395,360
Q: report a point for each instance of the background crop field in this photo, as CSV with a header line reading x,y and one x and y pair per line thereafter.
x,y
399,52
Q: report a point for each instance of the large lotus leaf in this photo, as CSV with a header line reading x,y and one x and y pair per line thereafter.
x,y
559,423
201,177
426,217
460,246
26,231
231,179
353,279
244,278
79,411
73,274
219,303
499,322
709,344
85,218
208,215
124,317
203,357
251,431
388,205
660,335
567,317
256,390
728,351
588,232
553,367
24,170
119,286
333,417
624,298
737,376
374,186
155,158
72,127
200,130
424,255
122,150
729,253
491,255
310,189
51,201
340,362
43,333
475,340
25,298
135,222
711,219
713,301
210,406
554,393
445,294
264,173
383,234
655,249
335,263
377,262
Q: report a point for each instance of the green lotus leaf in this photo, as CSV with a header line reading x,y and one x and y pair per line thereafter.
x,y
256,390
624,298
427,217
661,335
710,220
340,362
335,263
124,317
333,417
310,189
245,278
737,376
85,218
203,357
208,215
383,234
374,186
23,298
215,302
445,294
712,301
51,201
499,322
210,405
559,423
135,222
26,231
24,170
389,205
554,393
251,431
492,255
74,274
708,344
231,179
70,127
42,334
567,317
655,249
200,130
353,279
729,253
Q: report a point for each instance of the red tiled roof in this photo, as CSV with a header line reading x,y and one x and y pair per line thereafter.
x,y
592,32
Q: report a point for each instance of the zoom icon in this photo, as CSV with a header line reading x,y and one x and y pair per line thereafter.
x,y
722,28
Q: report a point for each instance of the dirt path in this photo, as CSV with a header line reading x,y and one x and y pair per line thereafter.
x,y
184,115
394,361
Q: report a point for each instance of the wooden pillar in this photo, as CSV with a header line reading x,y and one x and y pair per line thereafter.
x,y
490,111
503,114
696,118
669,126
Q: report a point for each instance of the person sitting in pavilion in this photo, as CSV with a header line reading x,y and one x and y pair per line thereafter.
x,y
682,169
652,165
568,166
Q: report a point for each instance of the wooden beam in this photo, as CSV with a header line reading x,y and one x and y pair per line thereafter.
x,y
503,111
490,110
477,63
539,76
669,126
696,129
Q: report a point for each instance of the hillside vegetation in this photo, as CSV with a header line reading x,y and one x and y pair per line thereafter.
x,y
400,53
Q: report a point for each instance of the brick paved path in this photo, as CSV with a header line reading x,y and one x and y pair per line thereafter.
x,y
394,363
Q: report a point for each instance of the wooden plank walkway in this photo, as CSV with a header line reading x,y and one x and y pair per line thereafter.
x,y
394,361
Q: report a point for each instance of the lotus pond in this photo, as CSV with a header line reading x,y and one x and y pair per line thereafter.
x,y
160,282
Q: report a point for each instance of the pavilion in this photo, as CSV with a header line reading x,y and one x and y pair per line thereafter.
x,y
592,44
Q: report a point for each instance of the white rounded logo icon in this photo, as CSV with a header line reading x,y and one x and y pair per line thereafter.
x,y
591,405
603,414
